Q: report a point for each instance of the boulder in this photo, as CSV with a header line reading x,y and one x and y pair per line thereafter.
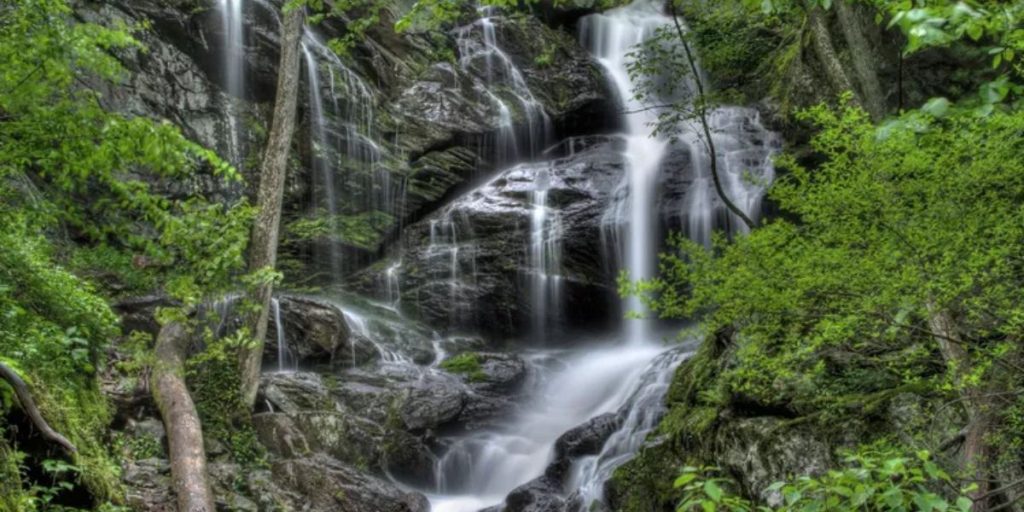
x,y
542,494
432,405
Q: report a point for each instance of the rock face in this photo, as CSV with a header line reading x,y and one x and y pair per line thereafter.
x,y
467,268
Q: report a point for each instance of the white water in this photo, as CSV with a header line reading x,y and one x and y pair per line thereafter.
x,y
630,219
479,470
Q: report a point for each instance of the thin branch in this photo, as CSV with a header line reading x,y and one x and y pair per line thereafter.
x,y
703,116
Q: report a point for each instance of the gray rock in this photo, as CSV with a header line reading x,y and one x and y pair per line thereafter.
x,y
432,406
329,485
293,392
588,438
759,453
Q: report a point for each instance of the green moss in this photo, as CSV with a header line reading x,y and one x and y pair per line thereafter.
x,y
467,364
363,230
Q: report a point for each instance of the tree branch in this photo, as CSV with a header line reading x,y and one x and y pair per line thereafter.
x,y
29,405
702,115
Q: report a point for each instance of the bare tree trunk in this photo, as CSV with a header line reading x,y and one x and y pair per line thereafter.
x,y
29,406
975,452
702,116
265,233
862,58
184,430
821,39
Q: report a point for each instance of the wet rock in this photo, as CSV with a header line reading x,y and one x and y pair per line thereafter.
x,y
588,438
540,495
500,373
328,485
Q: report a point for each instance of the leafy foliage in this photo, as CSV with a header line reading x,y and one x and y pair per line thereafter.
x,y
875,478
76,197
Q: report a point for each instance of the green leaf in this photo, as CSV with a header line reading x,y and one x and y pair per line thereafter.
x,y
713,491
937,107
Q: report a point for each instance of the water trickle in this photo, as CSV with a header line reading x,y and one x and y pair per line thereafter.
x,y
234,73
545,258
451,245
285,360
346,156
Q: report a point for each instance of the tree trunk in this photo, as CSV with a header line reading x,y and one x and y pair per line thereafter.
x,y
975,452
184,430
821,38
702,116
263,247
863,59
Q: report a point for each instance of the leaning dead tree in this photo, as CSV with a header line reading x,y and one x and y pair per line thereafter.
x,y
181,420
24,395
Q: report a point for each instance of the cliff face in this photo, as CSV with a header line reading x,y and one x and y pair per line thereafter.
x,y
388,130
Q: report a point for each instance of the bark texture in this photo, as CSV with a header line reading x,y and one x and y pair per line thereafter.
x,y
181,420
861,55
821,40
265,233
29,406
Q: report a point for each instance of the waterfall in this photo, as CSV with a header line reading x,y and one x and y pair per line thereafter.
x,y
479,469
285,361
545,258
630,221
234,72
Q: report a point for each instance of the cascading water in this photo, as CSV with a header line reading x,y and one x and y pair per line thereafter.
x,y
234,72
480,469
744,149
345,153
502,79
